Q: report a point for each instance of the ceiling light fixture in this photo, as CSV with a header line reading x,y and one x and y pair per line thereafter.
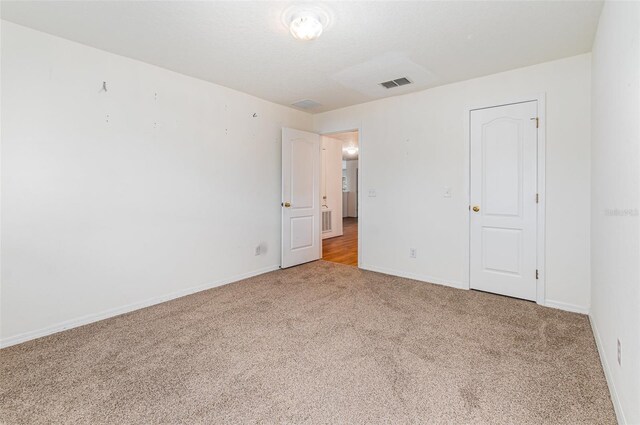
x,y
351,150
305,22
306,26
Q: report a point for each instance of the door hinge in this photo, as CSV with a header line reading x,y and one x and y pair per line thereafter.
x,y
537,121
536,273
537,198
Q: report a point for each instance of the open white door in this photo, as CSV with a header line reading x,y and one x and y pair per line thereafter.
x,y
300,197
503,212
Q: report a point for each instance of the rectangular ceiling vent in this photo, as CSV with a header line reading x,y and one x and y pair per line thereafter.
x,y
306,104
396,83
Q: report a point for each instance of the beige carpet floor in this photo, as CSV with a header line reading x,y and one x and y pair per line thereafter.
x,y
318,343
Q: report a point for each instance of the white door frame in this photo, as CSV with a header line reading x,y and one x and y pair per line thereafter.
x,y
540,232
360,205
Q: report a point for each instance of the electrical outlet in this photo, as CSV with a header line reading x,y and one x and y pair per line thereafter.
x,y
372,193
257,250
413,253
619,353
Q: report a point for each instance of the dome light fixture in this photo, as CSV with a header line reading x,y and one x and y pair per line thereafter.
x,y
351,150
306,26
305,22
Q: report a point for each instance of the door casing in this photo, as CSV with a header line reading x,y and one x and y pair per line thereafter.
x,y
540,224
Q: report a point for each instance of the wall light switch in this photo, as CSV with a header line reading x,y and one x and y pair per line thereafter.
x,y
447,191
372,193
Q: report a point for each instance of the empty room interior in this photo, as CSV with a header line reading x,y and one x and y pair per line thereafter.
x,y
320,212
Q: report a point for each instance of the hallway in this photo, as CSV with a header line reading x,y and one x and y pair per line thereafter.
x,y
343,249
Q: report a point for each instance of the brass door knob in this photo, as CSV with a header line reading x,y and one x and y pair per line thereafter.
x,y
286,204
476,209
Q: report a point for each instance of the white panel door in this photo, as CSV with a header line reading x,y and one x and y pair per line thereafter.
x,y
503,210
300,197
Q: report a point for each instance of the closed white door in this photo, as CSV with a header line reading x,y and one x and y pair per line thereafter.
x,y
503,198
300,197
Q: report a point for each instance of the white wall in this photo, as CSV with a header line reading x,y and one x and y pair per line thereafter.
x,y
352,166
412,146
331,183
115,200
345,190
615,207
352,187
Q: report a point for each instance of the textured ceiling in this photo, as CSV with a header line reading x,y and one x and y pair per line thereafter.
x,y
245,46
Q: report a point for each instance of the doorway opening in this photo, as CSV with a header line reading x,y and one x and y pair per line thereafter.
x,y
339,197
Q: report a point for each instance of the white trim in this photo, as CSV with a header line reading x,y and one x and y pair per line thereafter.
x,y
617,406
90,318
566,307
360,204
540,251
415,276
467,193
542,201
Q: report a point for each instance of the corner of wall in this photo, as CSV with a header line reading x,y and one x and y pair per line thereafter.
x,y
615,399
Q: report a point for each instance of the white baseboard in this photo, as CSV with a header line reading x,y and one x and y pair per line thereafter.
x,y
415,276
330,235
607,373
90,318
463,285
566,307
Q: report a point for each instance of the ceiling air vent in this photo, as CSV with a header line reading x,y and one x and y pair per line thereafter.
x,y
306,104
396,83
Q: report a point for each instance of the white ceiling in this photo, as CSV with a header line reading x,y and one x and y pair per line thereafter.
x,y
245,46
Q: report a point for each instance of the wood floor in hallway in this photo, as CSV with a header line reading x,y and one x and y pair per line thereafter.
x,y
343,249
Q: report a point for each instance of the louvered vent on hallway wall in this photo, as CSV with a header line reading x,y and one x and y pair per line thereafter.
x,y
326,221
395,83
